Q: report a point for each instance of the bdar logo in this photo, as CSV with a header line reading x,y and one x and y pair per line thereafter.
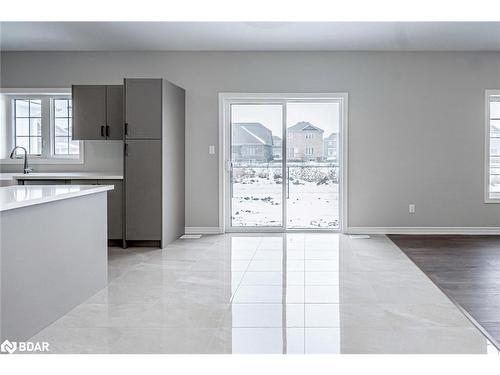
x,y
8,347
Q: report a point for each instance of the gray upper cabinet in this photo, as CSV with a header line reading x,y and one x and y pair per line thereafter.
x,y
97,112
89,112
114,112
143,108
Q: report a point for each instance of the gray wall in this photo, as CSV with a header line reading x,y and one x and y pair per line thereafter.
x,y
416,119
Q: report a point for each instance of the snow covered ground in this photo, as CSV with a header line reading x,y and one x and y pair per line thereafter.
x,y
310,204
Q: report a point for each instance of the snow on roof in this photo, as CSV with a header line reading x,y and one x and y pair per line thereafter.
x,y
304,126
254,133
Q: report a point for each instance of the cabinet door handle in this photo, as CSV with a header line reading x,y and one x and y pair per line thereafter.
x,y
107,130
126,128
102,130
125,149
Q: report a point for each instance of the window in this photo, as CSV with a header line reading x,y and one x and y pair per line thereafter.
x,y
309,151
28,125
493,146
63,129
42,124
309,135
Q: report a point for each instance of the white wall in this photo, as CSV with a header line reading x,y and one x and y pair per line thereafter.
x,y
416,120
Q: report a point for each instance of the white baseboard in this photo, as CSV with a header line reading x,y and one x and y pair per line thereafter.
x,y
423,230
202,230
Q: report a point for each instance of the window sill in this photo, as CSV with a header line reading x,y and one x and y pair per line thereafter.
x,y
35,160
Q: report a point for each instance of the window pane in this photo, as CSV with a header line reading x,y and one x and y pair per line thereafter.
x,y
61,127
494,162
61,146
36,126
494,128
22,126
35,145
22,108
35,108
495,109
61,108
22,142
495,171
495,184
70,108
74,147
494,146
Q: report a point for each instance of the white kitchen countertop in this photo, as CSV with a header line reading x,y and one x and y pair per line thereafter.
x,y
62,176
17,196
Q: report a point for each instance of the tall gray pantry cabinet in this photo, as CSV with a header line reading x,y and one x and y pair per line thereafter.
x,y
154,136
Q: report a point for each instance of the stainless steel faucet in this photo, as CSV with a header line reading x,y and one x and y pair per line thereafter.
x,y
26,169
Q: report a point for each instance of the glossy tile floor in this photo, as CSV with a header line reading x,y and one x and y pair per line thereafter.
x,y
287,293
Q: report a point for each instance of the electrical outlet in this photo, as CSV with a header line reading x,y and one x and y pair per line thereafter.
x,y
411,208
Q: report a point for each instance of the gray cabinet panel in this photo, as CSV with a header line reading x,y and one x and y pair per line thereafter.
x,y
89,112
83,182
115,209
143,108
115,200
115,205
143,190
173,162
114,112
42,182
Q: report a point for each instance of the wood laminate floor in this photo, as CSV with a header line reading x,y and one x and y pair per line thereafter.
x,y
466,268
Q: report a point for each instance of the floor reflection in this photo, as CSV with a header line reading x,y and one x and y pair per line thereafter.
x,y
285,294
295,293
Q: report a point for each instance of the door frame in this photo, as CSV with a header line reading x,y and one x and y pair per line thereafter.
x,y
228,98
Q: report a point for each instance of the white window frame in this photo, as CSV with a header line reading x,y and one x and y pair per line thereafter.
x,y
225,101
488,95
47,156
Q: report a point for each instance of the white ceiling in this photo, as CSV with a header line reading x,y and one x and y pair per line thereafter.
x,y
251,36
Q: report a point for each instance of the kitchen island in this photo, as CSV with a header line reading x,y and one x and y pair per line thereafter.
x,y
53,253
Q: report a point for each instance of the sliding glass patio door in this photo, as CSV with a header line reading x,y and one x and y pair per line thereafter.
x,y
282,164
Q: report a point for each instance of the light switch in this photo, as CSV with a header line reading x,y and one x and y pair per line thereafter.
x,y
211,150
